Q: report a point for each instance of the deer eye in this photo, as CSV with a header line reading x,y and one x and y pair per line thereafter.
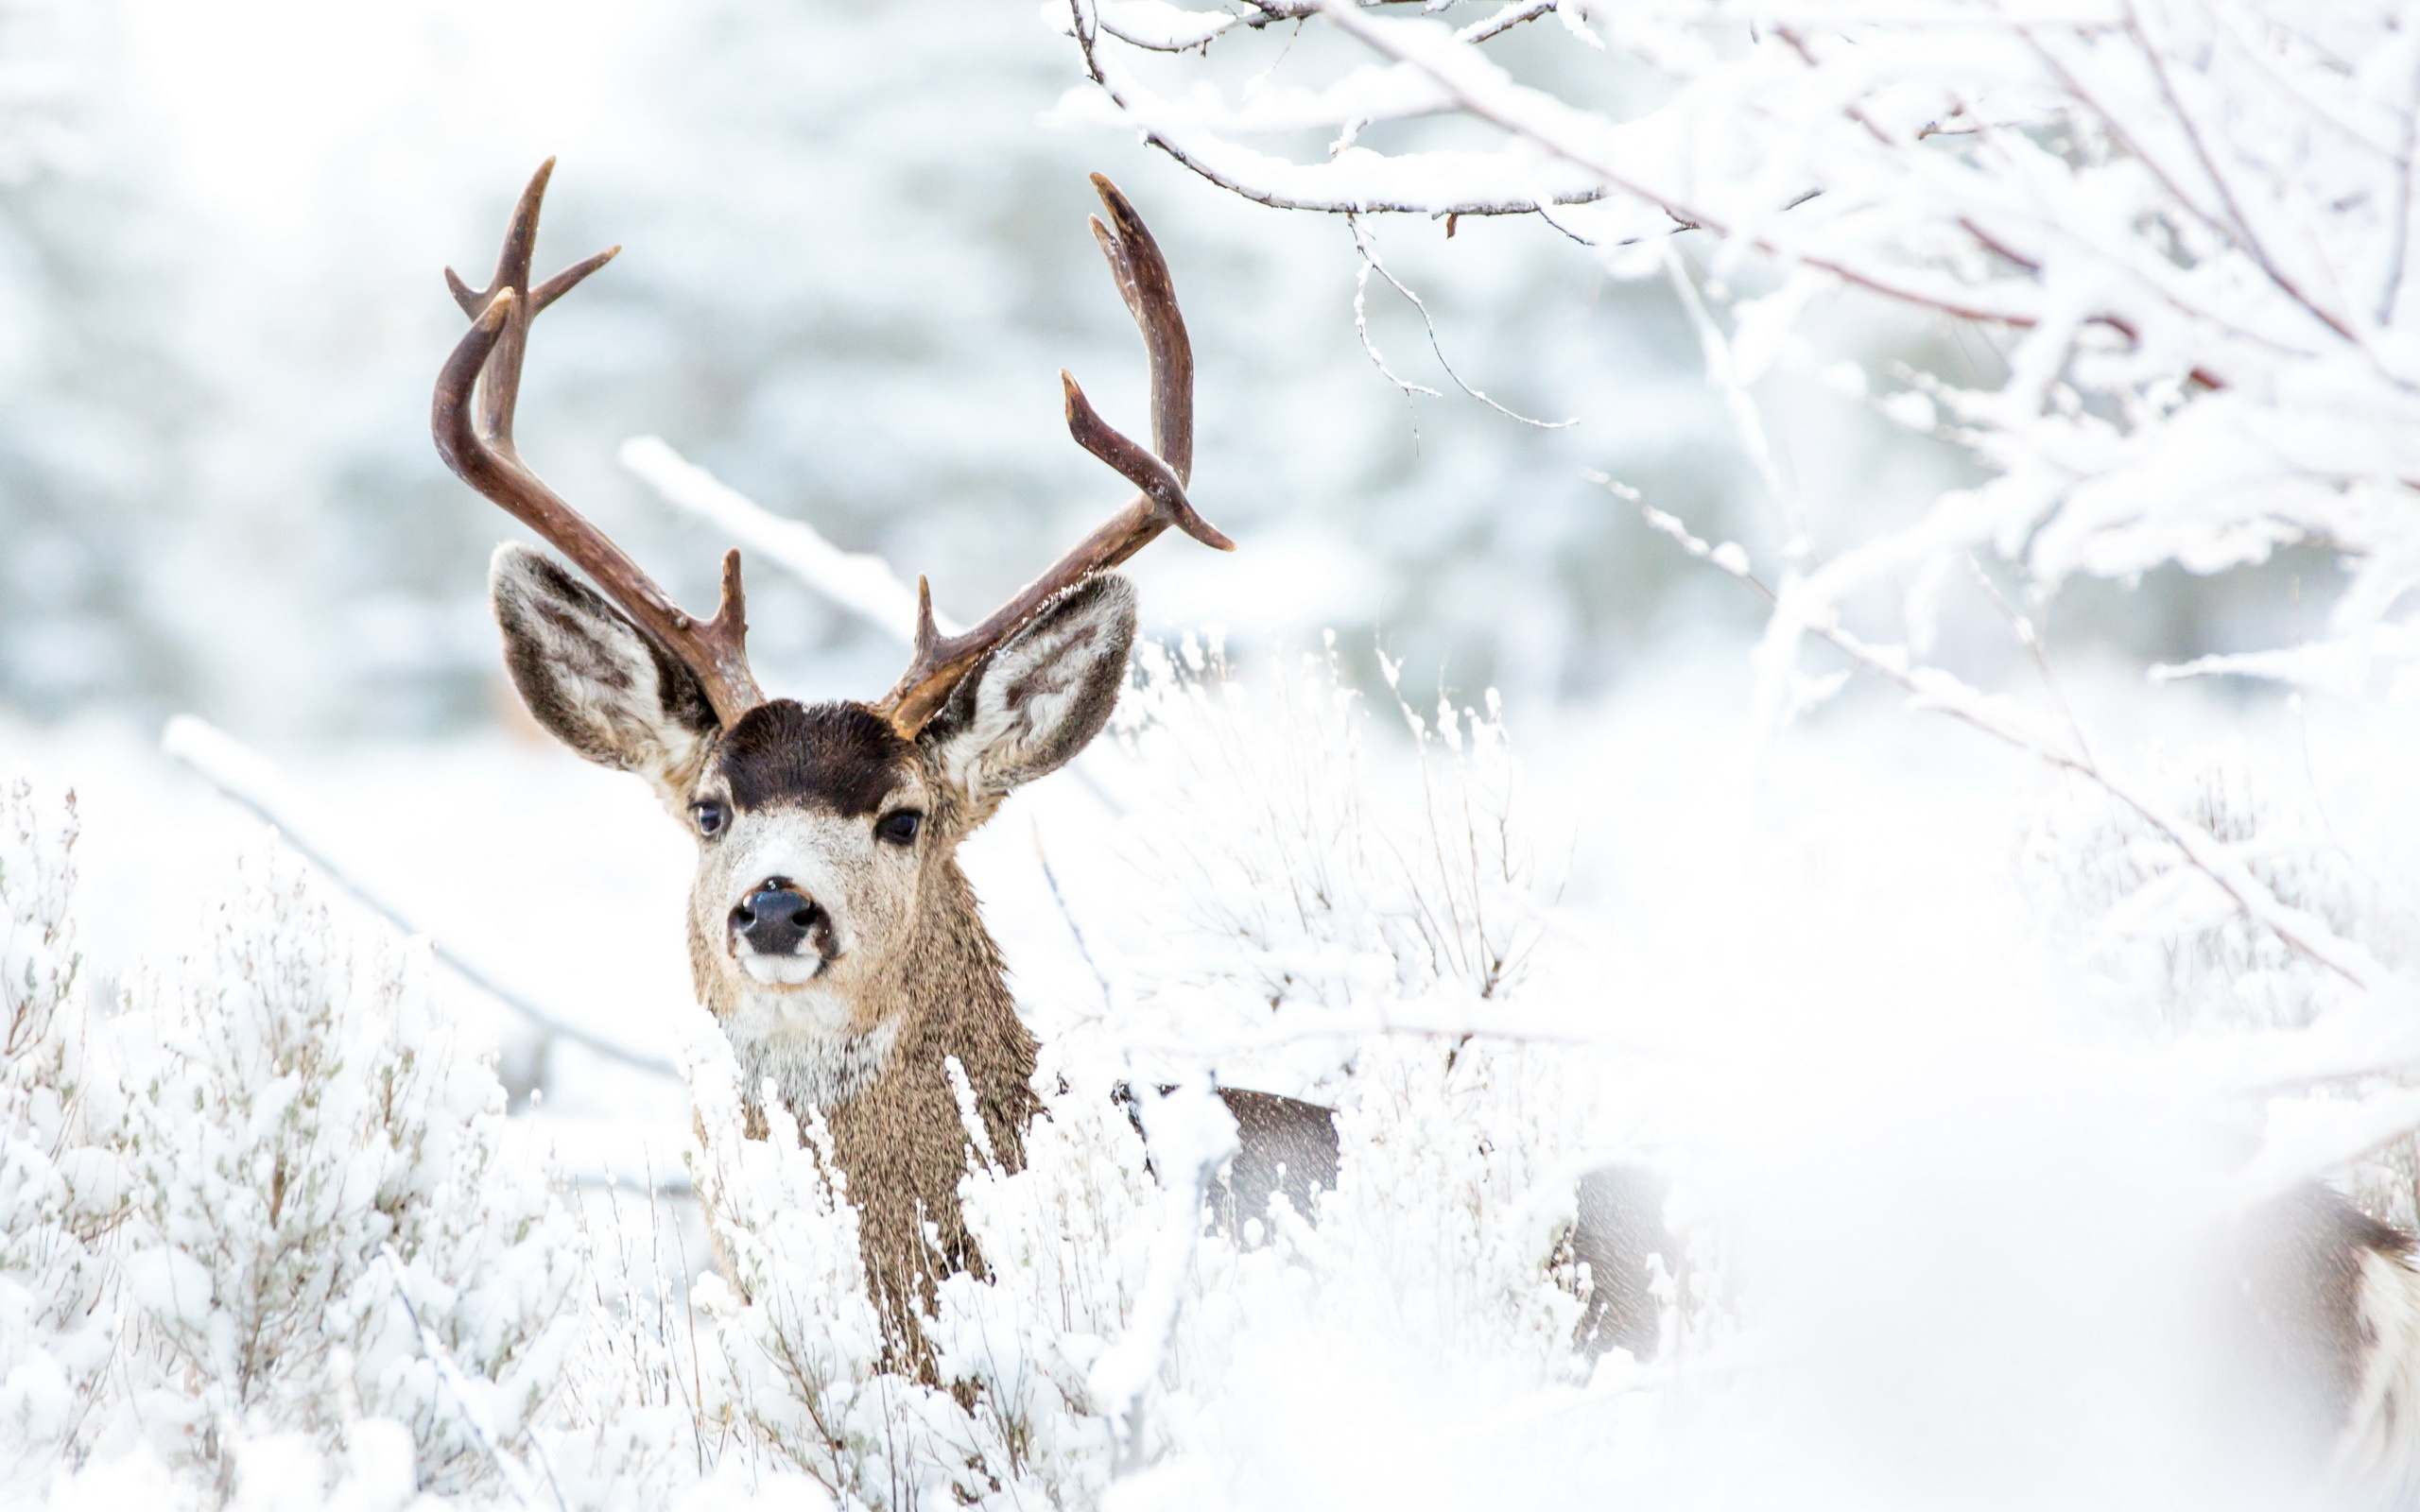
x,y
899,827
711,815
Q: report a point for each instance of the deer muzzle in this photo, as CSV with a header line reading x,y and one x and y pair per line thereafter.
x,y
780,921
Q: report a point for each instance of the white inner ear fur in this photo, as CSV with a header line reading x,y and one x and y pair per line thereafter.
x,y
587,675
1041,697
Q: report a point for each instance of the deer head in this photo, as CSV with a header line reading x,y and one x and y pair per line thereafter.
x,y
827,891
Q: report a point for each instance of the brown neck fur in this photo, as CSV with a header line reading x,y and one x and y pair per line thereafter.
x,y
900,1142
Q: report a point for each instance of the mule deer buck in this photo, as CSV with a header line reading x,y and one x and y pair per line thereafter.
x,y
831,931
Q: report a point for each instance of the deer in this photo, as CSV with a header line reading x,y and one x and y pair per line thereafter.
x,y
832,933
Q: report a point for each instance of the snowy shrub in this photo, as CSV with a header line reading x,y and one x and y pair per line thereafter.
x,y
56,1191
1336,895
2166,945
627,1430
2158,945
331,1233
1430,1267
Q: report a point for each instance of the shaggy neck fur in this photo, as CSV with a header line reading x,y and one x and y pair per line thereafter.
x,y
804,1049
897,1132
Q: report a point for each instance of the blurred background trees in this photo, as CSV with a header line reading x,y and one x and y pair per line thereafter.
x,y
855,260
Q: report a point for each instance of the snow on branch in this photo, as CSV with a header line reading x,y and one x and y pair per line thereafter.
x,y
1933,689
858,581
249,779
2190,219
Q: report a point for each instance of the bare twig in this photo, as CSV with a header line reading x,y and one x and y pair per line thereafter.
x,y
1367,246
1051,877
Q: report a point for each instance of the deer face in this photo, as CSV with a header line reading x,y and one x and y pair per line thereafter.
x,y
828,908
826,840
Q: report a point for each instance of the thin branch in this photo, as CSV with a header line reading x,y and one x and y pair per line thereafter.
x,y
1361,323
1724,375
245,779
2021,625
2245,234
516,1476
1505,20
1087,42
1364,244
859,581
1931,688
1083,948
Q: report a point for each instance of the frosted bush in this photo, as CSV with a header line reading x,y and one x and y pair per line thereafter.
x,y
331,1242
2167,945
627,1430
1432,1271
2161,947
57,1193
1332,895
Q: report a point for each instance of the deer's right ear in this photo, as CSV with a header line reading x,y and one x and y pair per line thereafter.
x,y
592,678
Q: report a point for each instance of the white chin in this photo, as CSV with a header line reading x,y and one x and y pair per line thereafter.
x,y
783,970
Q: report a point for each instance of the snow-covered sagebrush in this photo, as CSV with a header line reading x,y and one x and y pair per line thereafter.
x,y
328,1227
1335,895
58,1194
266,1230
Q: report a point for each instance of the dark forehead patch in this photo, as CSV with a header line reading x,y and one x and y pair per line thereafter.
x,y
840,756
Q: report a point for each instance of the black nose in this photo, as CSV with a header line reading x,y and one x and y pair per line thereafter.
x,y
774,919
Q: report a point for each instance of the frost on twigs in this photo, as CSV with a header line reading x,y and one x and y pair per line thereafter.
x,y
328,1231
2161,947
2182,228
55,1190
1337,894
2171,943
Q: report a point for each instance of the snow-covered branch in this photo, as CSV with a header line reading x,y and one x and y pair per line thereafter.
x,y
1938,691
858,581
247,778
2190,218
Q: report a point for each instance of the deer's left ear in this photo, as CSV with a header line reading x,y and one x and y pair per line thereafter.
x,y
1027,707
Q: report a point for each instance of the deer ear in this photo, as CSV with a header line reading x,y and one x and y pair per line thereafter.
x,y
596,683
1027,707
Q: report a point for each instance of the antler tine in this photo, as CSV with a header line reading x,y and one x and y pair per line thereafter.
x,y
1143,282
476,439
940,662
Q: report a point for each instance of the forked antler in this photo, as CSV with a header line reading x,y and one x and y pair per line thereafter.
x,y
479,447
477,442
940,662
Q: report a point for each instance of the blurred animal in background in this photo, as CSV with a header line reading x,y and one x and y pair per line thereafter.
x,y
2331,1333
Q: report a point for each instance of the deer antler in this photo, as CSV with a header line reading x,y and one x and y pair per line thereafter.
x,y
940,662
479,447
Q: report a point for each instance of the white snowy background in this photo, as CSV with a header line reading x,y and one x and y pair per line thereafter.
x,y
1967,965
